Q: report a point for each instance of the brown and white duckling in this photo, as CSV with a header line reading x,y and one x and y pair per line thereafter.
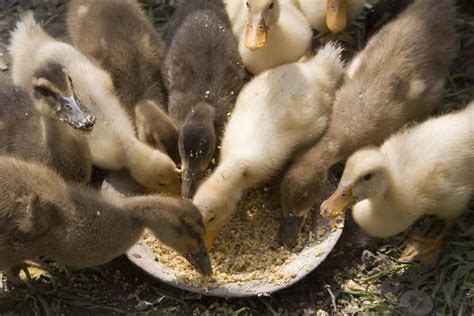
x,y
278,112
399,77
424,170
44,127
203,73
270,33
118,35
113,143
42,215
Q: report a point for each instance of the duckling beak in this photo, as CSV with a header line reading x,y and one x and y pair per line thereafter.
x,y
336,17
75,114
200,260
288,231
211,236
256,34
191,180
338,202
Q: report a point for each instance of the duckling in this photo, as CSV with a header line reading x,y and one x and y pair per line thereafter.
x,y
42,215
202,85
270,33
424,170
119,36
331,15
399,77
36,127
276,113
113,143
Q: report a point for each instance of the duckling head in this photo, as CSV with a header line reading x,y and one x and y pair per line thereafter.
x,y
336,16
261,15
154,169
197,143
299,190
55,97
182,230
365,176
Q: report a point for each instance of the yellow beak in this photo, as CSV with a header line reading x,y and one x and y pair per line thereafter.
x,y
256,34
338,203
211,236
336,17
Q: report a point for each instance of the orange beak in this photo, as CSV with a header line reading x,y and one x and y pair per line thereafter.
x,y
256,34
338,203
211,236
336,17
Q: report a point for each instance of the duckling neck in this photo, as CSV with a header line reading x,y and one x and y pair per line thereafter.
x,y
64,148
384,214
144,210
137,155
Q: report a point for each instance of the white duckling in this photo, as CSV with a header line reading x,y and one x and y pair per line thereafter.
x,y
113,142
330,15
270,33
277,112
424,170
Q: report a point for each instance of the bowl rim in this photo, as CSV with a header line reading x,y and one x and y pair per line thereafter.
x,y
143,257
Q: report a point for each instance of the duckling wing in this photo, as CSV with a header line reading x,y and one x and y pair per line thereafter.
x,y
26,220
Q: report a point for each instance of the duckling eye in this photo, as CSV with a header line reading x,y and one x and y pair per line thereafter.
x,y
271,6
212,218
367,177
247,4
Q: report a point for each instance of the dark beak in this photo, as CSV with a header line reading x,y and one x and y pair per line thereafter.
x,y
75,114
190,184
289,228
200,260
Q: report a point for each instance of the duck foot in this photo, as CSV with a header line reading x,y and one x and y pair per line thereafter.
x,y
424,250
13,273
37,263
13,276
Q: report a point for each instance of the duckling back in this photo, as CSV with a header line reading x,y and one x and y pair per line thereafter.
x,y
284,108
399,76
432,164
202,63
118,35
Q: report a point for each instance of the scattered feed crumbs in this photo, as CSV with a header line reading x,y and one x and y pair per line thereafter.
x,y
245,250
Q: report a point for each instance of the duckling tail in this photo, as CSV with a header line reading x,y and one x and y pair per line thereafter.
x,y
25,28
328,64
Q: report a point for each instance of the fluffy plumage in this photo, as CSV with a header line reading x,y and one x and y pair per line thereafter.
x,y
113,143
399,77
277,112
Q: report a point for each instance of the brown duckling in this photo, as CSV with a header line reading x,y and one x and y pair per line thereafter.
x,y
42,215
203,73
399,77
118,35
44,127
